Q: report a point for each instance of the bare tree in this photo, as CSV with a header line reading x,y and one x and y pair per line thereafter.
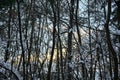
x,y
21,38
7,53
113,53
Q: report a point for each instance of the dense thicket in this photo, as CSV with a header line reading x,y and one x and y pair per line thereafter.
x,y
60,39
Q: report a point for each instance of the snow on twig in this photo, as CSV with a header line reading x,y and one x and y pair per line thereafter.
x,y
116,32
7,66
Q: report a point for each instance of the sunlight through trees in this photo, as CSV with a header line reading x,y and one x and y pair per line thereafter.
x,y
60,39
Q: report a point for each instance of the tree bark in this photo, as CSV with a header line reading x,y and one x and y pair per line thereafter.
x,y
70,29
21,38
6,57
113,53
53,44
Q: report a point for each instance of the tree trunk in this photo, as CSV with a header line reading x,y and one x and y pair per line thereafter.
x,y
53,44
69,77
21,38
6,57
113,53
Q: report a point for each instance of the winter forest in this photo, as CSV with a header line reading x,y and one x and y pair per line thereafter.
x,y
59,39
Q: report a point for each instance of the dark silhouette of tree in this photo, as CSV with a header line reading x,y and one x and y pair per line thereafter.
x,y
60,40
21,38
113,53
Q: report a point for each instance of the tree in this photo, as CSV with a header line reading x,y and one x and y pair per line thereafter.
x,y
63,39
113,53
6,3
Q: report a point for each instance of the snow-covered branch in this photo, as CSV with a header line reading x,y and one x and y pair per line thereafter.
x,y
8,67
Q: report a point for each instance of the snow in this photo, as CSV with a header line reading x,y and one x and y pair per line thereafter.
x,y
71,65
118,45
97,74
116,32
70,30
82,62
97,45
116,49
7,66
